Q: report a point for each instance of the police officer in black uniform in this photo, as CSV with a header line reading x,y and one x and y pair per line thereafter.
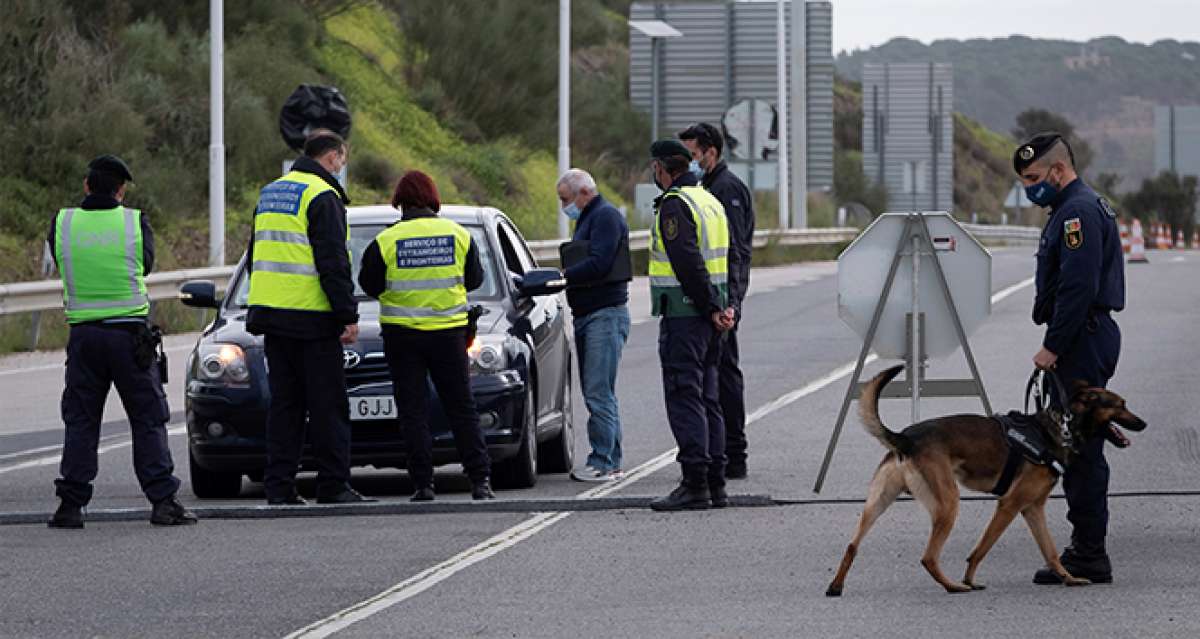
x,y
705,143
96,249
693,320
1080,283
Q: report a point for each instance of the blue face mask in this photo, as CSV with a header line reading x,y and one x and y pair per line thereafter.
x,y
1042,193
695,168
572,211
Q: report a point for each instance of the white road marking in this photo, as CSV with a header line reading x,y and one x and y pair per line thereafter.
x,y
430,577
62,365
50,460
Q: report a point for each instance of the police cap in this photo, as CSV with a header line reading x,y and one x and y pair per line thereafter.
x,y
664,149
112,165
1037,146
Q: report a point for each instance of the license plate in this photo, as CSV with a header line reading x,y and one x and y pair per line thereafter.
x,y
367,408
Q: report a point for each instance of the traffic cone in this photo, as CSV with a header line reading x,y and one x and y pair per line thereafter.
x,y
1196,238
1137,244
1124,228
1179,240
1164,237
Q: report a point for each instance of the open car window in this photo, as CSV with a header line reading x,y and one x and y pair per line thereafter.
x,y
362,235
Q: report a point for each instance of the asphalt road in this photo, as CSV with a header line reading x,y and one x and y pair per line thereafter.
x,y
631,572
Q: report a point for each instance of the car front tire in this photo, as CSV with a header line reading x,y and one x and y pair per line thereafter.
x,y
520,471
207,484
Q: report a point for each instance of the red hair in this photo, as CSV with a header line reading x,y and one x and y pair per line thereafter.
x,y
416,190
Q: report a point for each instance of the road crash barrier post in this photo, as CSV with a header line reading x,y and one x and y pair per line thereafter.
x,y
1137,243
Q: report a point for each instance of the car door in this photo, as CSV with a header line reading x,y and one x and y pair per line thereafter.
x,y
543,314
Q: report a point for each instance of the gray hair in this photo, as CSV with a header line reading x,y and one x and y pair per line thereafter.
x,y
576,180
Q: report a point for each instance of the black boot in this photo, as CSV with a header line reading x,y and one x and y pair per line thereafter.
x,y
1081,560
482,490
68,515
684,497
423,493
169,512
736,470
290,499
720,498
343,494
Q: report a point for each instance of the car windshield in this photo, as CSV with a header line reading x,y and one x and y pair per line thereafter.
x,y
361,236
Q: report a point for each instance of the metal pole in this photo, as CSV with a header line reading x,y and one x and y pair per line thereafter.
x,y
799,115
914,374
782,110
564,100
653,89
216,146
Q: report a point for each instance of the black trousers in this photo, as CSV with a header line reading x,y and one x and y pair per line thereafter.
x,y
1093,358
98,357
306,378
733,400
690,351
441,356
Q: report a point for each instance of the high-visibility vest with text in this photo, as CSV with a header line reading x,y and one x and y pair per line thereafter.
x,y
100,262
426,260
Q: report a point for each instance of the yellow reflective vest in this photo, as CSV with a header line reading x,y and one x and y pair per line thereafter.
x,y
284,274
100,261
426,260
712,237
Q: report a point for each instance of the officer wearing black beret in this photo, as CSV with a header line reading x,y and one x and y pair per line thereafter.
x,y
1080,283
689,273
104,250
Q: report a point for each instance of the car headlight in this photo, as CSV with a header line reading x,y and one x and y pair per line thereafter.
x,y
222,363
487,353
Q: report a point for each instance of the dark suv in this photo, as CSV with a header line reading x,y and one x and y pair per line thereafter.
x,y
520,372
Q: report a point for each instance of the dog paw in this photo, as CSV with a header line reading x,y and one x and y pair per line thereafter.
x,y
954,588
1076,581
975,586
834,591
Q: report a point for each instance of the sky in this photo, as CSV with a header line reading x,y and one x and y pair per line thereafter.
x,y
865,23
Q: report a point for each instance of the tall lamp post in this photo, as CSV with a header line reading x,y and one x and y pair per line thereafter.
x,y
656,30
564,100
216,145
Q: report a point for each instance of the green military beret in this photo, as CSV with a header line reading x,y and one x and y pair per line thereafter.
x,y
111,164
664,149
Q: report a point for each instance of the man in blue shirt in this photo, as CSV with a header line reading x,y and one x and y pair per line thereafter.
x,y
599,304
1080,282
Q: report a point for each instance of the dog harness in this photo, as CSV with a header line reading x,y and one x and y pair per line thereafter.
x,y
1026,442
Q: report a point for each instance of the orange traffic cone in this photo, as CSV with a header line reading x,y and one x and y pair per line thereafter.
x,y
1137,243
1179,240
1196,238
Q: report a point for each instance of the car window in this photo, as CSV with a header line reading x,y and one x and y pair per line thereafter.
x,y
361,236
516,259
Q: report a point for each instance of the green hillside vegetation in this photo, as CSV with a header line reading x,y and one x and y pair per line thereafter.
x,y
1107,87
130,77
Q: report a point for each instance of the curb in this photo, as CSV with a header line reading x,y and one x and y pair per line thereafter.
x,y
565,504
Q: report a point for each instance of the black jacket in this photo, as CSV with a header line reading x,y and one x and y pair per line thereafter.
x,y
602,226
327,235
739,211
372,273
104,203
684,252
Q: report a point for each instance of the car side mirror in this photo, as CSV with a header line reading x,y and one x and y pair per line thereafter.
x,y
541,281
200,294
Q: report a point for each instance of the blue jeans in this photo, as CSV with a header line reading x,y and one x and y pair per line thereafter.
x,y
599,338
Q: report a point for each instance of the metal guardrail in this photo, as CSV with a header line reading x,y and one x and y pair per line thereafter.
x,y
45,295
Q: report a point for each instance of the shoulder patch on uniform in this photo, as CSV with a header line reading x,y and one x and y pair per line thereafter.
x,y
735,202
671,228
1073,233
1108,209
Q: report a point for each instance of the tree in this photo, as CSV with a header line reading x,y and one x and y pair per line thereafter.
x,y
1106,183
1167,197
1030,122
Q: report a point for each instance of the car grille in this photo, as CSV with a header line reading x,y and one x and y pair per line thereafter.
x,y
372,370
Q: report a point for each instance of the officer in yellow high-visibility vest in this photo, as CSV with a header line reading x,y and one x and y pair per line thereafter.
x,y
689,273
302,301
104,251
420,270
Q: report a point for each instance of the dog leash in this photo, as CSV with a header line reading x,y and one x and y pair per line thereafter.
x,y
1041,400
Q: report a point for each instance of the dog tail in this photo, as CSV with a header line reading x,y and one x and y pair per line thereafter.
x,y
868,413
